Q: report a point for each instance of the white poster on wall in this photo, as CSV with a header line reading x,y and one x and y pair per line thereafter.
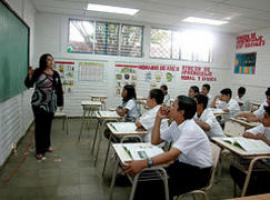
x,y
91,71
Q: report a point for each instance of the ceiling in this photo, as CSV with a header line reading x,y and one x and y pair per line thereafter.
x,y
243,15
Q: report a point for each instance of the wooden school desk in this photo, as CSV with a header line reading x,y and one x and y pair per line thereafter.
x,y
122,130
254,105
253,157
103,117
148,174
101,98
217,112
88,110
255,197
245,123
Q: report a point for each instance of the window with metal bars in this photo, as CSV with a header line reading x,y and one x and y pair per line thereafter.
x,y
105,38
181,45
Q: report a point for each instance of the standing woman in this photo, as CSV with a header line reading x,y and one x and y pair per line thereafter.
x,y
48,94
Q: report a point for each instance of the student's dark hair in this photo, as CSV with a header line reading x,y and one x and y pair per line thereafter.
x,y
188,105
267,92
201,99
207,86
164,87
195,89
157,94
131,92
227,92
241,90
267,109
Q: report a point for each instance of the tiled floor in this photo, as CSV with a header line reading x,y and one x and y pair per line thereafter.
x,y
68,172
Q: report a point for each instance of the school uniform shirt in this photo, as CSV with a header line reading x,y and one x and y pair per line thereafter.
x,y
232,106
133,110
260,129
209,100
191,140
260,112
208,117
167,99
242,101
147,120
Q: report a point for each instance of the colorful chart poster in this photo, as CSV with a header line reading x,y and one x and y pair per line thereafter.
x,y
91,71
66,70
245,63
144,74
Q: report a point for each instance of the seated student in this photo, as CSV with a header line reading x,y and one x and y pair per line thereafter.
x,y
226,103
146,121
164,89
193,91
205,91
240,98
129,108
259,182
189,157
206,119
257,115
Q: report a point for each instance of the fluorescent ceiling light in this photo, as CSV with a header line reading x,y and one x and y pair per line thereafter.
x,y
204,21
111,9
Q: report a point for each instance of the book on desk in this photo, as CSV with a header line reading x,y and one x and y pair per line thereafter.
x,y
136,151
248,145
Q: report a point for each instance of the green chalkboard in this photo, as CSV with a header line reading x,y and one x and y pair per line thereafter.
x,y
14,52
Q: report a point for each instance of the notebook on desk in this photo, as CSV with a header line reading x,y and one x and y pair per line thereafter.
x,y
124,127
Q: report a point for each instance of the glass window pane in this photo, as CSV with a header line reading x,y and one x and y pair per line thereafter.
x,y
131,41
107,38
81,36
176,40
160,44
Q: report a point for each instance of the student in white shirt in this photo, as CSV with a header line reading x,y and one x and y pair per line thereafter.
x,y
226,103
206,119
240,98
129,108
205,91
147,120
190,153
193,91
257,115
167,98
259,182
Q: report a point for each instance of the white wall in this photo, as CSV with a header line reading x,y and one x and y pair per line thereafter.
x,y
15,113
257,83
52,36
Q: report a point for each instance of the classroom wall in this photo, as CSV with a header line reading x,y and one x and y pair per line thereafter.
x,y
15,113
256,84
52,36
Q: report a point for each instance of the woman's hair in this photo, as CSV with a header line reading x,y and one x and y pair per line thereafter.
x,y
131,93
42,65
188,105
267,92
43,61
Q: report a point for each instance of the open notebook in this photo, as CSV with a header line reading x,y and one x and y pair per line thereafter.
x,y
249,145
108,114
136,151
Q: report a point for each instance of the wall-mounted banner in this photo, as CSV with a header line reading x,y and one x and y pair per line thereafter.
x,y
66,70
245,63
249,40
197,73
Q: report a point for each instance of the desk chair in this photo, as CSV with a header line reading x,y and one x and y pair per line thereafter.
x,y
203,191
62,115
